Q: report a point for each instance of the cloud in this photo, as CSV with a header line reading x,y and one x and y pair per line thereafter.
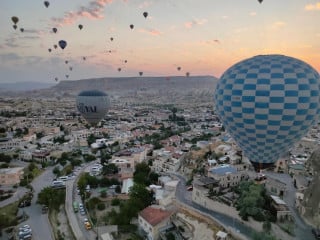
x,y
195,22
11,42
253,14
94,10
312,7
212,41
152,32
145,4
279,24
8,57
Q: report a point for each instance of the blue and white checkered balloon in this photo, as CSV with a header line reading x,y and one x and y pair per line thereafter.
x,y
267,103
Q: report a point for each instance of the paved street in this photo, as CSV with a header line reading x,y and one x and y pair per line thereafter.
x,y
41,228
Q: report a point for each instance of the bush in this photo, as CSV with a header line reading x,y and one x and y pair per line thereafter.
x,y
103,194
101,206
115,202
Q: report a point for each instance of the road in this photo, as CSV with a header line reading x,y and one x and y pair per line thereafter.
x,y
185,197
75,219
39,223
302,230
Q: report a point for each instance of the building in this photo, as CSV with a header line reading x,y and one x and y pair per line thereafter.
x,y
227,175
283,212
151,219
11,176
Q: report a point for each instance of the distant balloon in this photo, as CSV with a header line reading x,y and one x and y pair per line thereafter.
x,y
70,68
178,68
145,14
15,19
56,79
93,105
267,103
119,69
15,26
67,76
84,58
111,38
21,29
140,73
80,26
55,46
125,61
49,49
131,26
54,30
260,1
66,61
187,74
62,44
46,3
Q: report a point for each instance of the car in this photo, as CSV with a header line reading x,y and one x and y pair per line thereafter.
x,y
82,212
87,225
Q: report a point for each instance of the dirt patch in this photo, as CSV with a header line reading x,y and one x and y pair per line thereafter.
x,y
60,225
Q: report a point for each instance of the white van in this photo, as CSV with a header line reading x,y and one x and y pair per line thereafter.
x,y
63,178
58,184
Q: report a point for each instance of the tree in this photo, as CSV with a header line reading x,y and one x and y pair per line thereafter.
x,y
52,198
139,193
56,171
141,174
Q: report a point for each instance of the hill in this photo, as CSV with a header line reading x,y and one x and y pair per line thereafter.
x,y
132,89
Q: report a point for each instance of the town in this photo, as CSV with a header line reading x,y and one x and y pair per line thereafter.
x,y
148,171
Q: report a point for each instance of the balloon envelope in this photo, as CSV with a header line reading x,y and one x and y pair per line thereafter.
x,y
62,44
46,3
15,19
267,103
93,105
145,14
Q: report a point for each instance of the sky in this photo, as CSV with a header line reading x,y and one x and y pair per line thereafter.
x,y
201,37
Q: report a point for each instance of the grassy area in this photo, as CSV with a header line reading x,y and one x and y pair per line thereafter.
x,y
8,215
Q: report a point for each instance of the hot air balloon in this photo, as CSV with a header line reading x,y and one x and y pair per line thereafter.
x,y
267,103
15,19
54,30
46,3
119,69
62,44
187,74
49,50
84,58
56,79
66,61
178,68
125,61
21,29
15,26
140,73
260,1
93,105
80,26
55,46
131,26
111,38
145,14
67,76
70,68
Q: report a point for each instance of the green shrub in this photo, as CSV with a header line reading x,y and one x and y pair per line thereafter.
x,y
101,206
